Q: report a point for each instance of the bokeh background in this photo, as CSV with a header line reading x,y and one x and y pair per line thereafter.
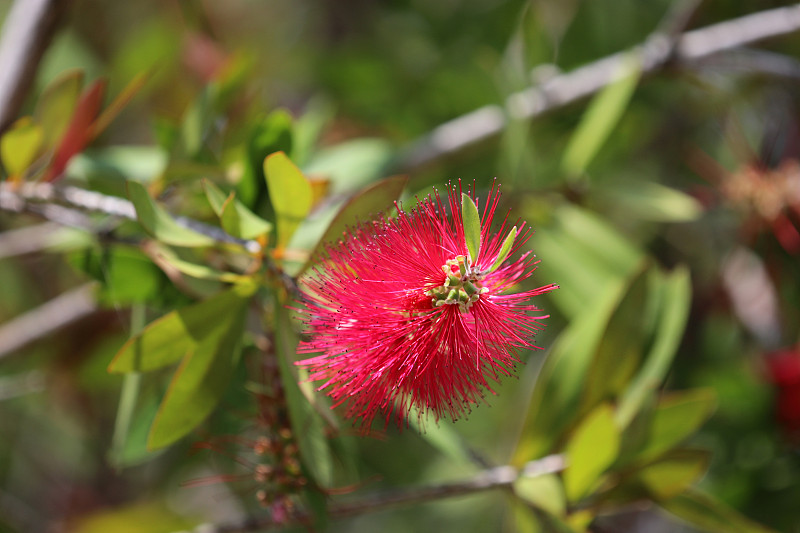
x,y
693,166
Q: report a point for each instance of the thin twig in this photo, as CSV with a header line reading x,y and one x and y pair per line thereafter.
x,y
493,478
657,52
47,318
27,32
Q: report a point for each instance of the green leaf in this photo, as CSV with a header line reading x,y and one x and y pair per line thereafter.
x,y
236,219
353,164
158,223
201,378
197,121
584,254
56,105
504,250
544,492
307,425
620,348
472,226
676,290
592,448
677,416
602,115
650,201
674,473
126,274
290,193
364,205
195,270
108,169
555,398
133,449
166,340
441,437
273,133
705,512
20,145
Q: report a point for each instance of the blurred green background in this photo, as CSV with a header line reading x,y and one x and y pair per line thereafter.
x,y
693,166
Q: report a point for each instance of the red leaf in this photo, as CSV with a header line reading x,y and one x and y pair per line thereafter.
x,y
79,130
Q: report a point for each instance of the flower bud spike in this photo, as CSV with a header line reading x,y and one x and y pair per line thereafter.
x,y
504,250
472,227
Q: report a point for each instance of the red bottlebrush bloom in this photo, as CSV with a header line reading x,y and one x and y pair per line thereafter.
x,y
415,311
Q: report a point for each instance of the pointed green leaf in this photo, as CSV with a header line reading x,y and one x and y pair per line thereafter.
x,y
592,448
20,145
646,200
677,416
504,250
235,217
368,202
158,223
307,425
555,398
169,338
56,105
705,512
472,226
201,378
544,492
674,473
195,270
603,113
290,193
677,292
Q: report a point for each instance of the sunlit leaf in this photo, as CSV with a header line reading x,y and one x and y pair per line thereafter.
x,y
591,449
166,340
20,145
158,223
56,105
236,219
504,250
545,492
290,193
201,378
604,112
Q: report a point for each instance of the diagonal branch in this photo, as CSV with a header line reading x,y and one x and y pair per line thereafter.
x,y
31,196
659,51
500,477
59,312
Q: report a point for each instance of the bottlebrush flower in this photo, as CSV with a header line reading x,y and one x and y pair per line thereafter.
x,y
416,311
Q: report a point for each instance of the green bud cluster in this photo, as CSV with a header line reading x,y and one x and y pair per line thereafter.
x,y
462,286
